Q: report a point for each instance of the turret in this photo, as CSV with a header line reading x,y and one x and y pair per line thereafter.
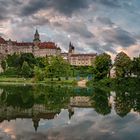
x,y
58,51
71,49
36,38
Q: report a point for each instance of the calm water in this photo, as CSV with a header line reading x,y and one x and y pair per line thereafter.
x,y
66,113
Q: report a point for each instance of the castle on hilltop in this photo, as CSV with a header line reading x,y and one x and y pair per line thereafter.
x,y
44,49
38,48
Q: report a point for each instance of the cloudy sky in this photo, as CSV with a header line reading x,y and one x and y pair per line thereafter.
x,y
91,25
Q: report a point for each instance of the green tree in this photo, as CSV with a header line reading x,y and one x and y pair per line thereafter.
x,y
26,70
29,58
3,64
13,60
42,62
102,66
136,66
123,65
39,74
57,67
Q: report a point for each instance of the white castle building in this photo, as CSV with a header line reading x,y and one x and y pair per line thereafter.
x,y
38,48
43,49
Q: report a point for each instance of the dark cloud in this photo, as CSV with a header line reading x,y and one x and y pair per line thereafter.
x,y
95,46
73,20
109,3
74,28
118,36
66,7
9,8
109,48
105,21
32,21
78,28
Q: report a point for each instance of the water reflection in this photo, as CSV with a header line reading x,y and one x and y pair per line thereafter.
x,y
57,112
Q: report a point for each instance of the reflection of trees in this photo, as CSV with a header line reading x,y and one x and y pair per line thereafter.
x,y
18,97
127,97
136,101
54,97
123,104
57,97
100,101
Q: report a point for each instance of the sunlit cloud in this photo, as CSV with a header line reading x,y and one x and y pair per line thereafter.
x,y
113,25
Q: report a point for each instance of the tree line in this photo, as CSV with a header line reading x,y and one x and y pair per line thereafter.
x,y
123,66
27,65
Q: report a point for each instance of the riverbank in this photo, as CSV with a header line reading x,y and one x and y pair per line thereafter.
x,y
32,81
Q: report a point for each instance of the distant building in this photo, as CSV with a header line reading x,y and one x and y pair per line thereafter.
x,y
78,59
82,59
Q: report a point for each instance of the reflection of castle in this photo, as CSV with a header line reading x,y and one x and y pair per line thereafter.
x,y
80,101
40,111
37,112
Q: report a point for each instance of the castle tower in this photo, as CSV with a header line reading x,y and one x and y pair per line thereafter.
x,y
71,49
36,38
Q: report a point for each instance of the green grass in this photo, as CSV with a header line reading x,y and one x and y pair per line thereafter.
x,y
15,80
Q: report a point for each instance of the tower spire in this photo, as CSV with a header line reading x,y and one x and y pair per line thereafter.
x,y
36,39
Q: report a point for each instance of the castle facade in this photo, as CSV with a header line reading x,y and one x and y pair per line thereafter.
x,y
44,49
38,48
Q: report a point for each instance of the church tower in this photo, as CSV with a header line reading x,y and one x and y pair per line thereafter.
x,y
36,38
71,48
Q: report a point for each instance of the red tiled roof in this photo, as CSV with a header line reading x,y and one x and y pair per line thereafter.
x,y
22,43
77,55
2,41
47,45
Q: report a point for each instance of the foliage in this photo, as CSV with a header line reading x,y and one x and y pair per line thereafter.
x,y
102,66
39,74
57,67
11,72
136,66
123,65
26,70
100,102
27,57
3,65
42,62
13,60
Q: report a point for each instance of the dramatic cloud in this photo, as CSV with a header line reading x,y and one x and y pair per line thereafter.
x,y
118,36
92,25
66,7
110,3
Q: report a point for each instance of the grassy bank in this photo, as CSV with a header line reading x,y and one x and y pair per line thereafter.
x,y
16,80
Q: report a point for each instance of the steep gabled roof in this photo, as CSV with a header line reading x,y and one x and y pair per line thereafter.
x,y
47,45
